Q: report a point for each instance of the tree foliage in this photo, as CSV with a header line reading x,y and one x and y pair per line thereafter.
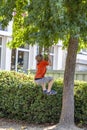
x,y
6,9
45,22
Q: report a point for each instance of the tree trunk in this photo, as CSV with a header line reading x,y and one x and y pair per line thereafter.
x,y
67,114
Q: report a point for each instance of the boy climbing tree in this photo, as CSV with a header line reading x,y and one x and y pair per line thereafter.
x,y
40,79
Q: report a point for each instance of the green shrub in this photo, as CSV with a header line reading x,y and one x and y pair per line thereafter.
x,y
21,99
81,102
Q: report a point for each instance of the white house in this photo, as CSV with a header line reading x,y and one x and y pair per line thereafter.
x,y
23,59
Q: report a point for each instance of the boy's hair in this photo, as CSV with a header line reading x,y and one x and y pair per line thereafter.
x,y
39,58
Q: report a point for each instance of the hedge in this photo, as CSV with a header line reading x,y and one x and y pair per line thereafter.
x,y
22,99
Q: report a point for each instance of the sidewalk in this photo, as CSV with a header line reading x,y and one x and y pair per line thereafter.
x,y
12,125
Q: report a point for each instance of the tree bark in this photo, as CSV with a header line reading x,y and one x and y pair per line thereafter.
x,y
67,114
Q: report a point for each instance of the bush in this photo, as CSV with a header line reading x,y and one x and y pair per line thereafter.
x,y
21,99
81,102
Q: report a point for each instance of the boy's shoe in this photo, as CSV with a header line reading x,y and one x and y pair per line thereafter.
x,y
52,92
45,91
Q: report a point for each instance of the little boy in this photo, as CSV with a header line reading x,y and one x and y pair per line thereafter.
x,y
40,75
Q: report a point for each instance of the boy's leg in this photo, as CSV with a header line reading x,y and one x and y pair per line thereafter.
x,y
43,86
50,85
49,91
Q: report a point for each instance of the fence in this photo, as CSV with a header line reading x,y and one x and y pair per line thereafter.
x,y
79,75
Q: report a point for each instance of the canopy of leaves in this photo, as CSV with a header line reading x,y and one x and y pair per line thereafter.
x,y
6,9
45,22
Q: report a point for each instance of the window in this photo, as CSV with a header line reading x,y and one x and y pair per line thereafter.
x,y
51,57
13,59
20,59
3,29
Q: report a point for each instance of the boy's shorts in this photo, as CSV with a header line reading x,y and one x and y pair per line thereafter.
x,y
43,80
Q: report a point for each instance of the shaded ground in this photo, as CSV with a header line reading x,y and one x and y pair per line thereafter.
x,y
6,124
13,125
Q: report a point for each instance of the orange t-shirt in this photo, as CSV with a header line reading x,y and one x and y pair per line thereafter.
x,y
41,69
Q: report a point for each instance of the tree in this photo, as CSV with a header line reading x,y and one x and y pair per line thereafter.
x,y
45,23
